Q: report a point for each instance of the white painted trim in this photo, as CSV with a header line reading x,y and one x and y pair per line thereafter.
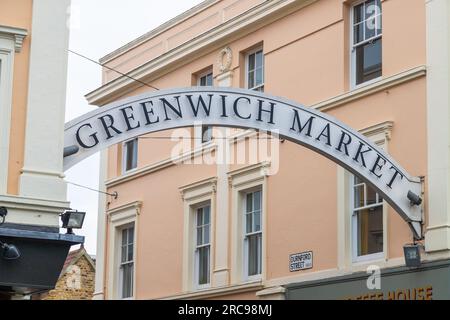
x,y
100,271
33,211
196,268
437,236
15,34
242,180
352,77
380,134
193,196
44,134
371,88
118,218
251,20
247,64
6,88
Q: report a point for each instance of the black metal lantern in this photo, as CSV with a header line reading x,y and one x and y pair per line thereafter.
x,y
412,255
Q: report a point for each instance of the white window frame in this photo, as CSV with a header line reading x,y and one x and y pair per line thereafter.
x,y
133,261
243,198
204,74
353,84
379,134
125,153
242,181
196,284
196,195
119,218
247,65
354,226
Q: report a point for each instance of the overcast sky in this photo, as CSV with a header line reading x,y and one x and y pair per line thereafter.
x,y
97,28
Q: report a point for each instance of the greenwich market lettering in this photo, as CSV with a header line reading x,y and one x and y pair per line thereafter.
x,y
162,110
173,110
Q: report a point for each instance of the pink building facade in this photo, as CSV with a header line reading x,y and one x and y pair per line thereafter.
x,y
188,224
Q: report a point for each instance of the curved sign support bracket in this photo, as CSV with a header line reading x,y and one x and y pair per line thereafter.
x,y
230,107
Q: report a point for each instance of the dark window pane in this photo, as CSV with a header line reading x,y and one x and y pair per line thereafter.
x,y
203,265
358,33
124,236
251,62
358,13
251,79
371,196
131,235
370,28
199,236
127,280
207,215
358,196
199,216
206,234
259,59
368,61
131,154
254,255
249,218
130,252
370,231
257,200
379,20
206,80
249,202
209,80
257,221
370,9
123,257
259,76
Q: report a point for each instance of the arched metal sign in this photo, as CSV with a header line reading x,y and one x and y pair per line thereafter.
x,y
230,107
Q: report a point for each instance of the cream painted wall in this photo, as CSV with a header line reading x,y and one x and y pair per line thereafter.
x,y
306,59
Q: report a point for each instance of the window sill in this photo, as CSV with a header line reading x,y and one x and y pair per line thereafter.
x,y
366,83
362,260
367,88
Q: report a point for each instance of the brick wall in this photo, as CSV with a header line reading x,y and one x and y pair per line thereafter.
x,y
76,284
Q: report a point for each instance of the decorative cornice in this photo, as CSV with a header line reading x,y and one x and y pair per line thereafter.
x,y
17,34
384,128
225,59
136,205
262,167
210,186
32,204
260,15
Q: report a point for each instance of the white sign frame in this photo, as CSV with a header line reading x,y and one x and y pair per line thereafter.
x,y
309,263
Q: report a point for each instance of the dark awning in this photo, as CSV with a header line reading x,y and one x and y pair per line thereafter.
x,y
42,256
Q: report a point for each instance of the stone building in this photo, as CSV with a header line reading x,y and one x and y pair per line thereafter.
x,y
293,225
77,278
